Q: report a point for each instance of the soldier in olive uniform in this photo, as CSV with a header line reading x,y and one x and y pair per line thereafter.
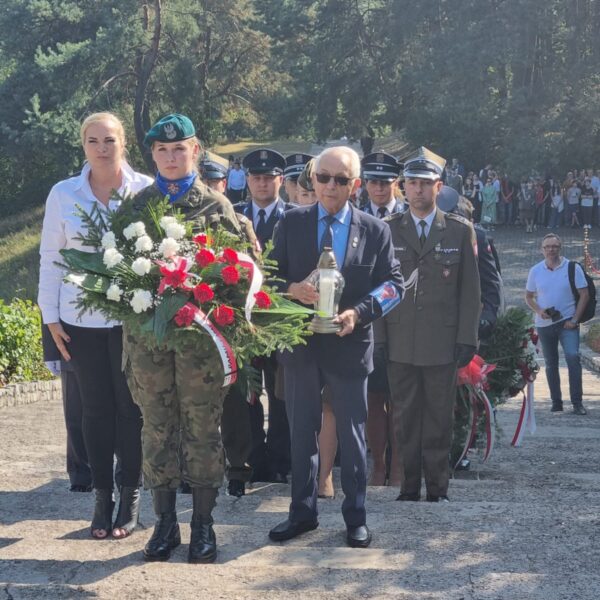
x,y
235,423
433,330
180,394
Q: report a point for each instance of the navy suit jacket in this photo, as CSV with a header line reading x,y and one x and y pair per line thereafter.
x,y
246,209
369,262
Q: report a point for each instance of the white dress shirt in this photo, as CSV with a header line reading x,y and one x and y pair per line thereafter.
x,y
268,210
389,206
428,220
56,298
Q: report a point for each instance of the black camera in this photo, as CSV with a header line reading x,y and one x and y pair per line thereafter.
x,y
554,314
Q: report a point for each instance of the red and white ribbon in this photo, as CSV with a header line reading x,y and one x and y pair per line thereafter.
x,y
255,277
224,349
490,424
526,417
473,417
476,395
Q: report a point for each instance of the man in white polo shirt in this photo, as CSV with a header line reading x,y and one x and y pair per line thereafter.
x,y
557,316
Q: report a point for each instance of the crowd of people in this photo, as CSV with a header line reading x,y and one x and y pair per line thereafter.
x,y
418,299
534,202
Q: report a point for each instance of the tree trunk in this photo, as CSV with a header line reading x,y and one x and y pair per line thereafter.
x,y
145,62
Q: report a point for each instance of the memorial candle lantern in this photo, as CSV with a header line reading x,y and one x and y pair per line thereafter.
x,y
329,283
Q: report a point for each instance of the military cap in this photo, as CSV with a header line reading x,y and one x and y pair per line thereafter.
x,y
294,165
264,162
380,166
447,199
424,165
172,128
305,178
211,169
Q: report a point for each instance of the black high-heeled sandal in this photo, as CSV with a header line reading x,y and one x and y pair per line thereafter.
x,y
128,513
103,511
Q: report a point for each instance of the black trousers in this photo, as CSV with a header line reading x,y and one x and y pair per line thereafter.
x,y
112,423
236,435
270,452
77,459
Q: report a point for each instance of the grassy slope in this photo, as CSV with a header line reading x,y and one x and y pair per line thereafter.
x,y
19,257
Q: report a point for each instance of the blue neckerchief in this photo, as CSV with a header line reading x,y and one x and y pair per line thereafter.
x,y
175,188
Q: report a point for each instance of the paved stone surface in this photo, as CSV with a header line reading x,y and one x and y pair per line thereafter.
x,y
523,525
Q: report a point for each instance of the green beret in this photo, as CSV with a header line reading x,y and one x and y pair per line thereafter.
x,y
172,128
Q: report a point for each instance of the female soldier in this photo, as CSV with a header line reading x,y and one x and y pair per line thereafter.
x,y
180,394
92,344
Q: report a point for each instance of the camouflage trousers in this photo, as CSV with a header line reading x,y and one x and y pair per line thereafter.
x,y
181,399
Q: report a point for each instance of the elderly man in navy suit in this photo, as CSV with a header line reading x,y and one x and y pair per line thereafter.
x,y
363,248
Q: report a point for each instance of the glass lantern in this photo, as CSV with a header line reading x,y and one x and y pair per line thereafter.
x,y
329,283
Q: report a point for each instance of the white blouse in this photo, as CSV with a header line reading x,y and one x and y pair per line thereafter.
x,y
56,298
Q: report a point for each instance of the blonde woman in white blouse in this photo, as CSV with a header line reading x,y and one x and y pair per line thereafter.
x,y
93,345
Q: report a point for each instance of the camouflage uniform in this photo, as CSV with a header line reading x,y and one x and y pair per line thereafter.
x,y
180,394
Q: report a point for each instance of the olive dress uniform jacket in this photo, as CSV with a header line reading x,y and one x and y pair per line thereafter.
x,y
443,308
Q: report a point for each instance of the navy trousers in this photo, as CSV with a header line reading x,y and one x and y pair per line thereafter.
x,y
304,380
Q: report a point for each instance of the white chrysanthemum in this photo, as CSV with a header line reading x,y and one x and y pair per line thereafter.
x,y
109,240
136,229
114,293
175,231
141,266
112,257
141,301
168,247
143,244
166,221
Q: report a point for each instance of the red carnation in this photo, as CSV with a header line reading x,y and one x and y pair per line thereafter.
x,y
205,257
230,256
201,239
262,300
223,315
185,315
203,293
230,275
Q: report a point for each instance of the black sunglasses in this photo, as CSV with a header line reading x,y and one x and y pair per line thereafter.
x,y
339,179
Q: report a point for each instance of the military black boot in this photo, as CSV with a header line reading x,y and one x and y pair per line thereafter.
x,y
203,542
166,534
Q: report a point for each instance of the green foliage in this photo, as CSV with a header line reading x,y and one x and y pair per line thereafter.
x,y
21,357
282,326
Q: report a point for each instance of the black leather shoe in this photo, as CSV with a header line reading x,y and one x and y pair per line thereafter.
x,y
408,497
556,407
432,498
579,410
236,488
166,534
81,488
287,529
358,537
277,478
203,543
